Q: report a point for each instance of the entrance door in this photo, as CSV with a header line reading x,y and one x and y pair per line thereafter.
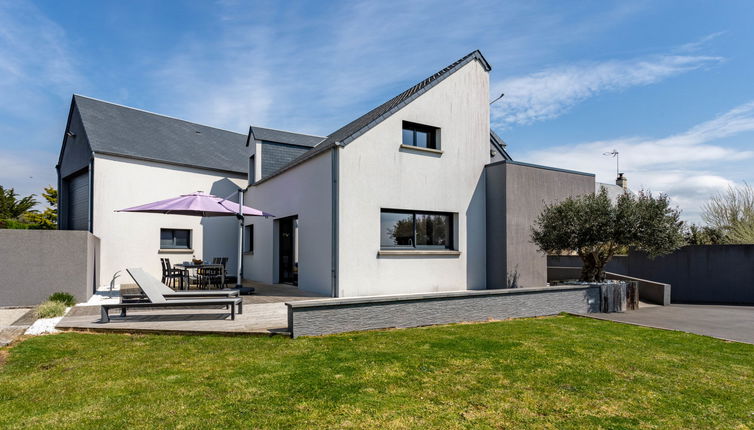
x,y
288,246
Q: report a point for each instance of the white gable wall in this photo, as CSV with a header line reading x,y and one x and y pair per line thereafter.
x,y
375,173
305,191
133,239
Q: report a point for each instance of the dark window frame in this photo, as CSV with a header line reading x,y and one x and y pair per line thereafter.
x,y
251,175
433,138
248,246
451,230
173,245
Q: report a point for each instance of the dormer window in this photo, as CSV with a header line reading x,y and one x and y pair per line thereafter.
x,y
420,136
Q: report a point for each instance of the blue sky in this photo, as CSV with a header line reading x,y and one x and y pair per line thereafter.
x,y
668,84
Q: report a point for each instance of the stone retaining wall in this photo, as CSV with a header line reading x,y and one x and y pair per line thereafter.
x,y
327,316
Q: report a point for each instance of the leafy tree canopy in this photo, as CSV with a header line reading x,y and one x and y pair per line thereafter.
x,y
11,207
596,228
48,219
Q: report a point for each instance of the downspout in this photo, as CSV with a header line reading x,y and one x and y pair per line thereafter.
x,y
335,290
91,195
239,271
240,216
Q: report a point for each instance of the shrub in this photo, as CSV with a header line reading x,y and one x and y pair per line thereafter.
x,y
65,298
50,309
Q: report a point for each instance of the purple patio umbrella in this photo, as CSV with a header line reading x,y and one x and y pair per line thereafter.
x,y
196,204
201,204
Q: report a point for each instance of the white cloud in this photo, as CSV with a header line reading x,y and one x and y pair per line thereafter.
x,y
315,72
35,61
550,93
688,166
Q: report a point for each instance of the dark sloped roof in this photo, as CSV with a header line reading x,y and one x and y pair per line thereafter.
x,y
499,145
120,130
281,136
362,124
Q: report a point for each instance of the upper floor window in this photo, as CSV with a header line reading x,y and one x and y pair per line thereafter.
x,y
173,238
421,136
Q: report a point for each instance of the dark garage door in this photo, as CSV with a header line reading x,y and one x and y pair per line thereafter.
x,y
78,198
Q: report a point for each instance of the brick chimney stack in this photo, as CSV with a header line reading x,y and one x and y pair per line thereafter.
x,y
621,181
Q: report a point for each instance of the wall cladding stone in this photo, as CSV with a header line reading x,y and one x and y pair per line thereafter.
x,y
327,316
277,155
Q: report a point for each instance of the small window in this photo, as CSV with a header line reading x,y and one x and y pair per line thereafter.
x,y
421,136
407,229
252,170
248,238
171,238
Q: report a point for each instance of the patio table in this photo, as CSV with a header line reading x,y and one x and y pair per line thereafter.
x,y
191,266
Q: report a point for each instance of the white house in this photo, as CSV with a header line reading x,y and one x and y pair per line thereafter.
x,y
397,201
415,162
114,157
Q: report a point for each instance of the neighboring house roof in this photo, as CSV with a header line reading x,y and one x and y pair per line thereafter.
x,y
499,145
281,136
613,191
119,130
362,124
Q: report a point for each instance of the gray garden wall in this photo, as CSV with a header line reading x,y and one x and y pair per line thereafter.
x,y
37,263
649,291
618,264
699,274
327,316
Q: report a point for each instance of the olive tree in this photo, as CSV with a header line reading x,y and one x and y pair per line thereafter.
x,y
595,228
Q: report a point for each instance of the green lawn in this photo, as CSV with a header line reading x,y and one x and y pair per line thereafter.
x,y
558,372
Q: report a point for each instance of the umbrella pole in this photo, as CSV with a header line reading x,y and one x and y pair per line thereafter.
x,y
240,238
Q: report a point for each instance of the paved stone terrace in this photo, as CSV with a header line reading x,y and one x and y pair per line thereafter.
x,y
264,313
14,322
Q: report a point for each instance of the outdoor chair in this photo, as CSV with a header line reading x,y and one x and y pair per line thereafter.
x,y
169,274
156,299
229,279
210,276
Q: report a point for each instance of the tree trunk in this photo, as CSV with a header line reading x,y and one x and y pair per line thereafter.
x,y
591,268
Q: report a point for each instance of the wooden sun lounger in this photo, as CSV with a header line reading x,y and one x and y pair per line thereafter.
x,y
158,300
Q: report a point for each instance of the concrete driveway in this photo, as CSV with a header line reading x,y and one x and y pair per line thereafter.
x,y
724,322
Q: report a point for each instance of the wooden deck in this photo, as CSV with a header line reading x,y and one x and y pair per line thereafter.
x,y
264,313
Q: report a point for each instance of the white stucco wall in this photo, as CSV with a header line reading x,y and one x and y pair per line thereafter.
x,y
133,239
304,190
376,173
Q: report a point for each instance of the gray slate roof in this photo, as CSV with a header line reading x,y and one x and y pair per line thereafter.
x,y
120,130
281,136
497,143
362,124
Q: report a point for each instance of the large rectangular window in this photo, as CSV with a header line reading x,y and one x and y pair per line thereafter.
x,y
172,238
420,136
409,229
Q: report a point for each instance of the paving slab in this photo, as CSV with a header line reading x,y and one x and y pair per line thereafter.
x,y
14,322
734,323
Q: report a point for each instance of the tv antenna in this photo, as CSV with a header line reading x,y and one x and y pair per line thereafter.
x,y
501,96
615,155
